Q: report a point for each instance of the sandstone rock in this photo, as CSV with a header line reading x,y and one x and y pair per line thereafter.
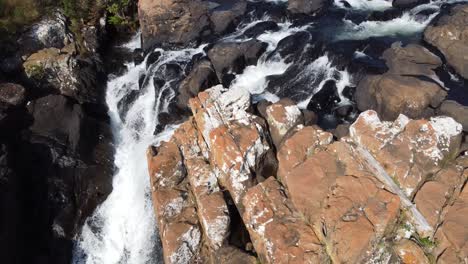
x,y
409,150
174,207
170,21
448,35
232,57
452,235
297,148
236,139
307,6
435,195
410,253
282,117
355,217
391,95
278,233
456,111
212,209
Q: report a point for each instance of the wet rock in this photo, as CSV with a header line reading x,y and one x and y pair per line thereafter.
x,y
232,57
448,35
456,111
341,131
408,3
169,21
261,28
282,117
225,17
201,77
325,99
307,7
278,233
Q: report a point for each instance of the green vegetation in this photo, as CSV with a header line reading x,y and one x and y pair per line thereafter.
x,y
16,14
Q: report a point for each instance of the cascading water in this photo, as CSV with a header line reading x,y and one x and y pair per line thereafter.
x,y
123,229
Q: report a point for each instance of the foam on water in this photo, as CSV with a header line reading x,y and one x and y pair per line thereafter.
x,y
409,23
322,69
365,5
405,25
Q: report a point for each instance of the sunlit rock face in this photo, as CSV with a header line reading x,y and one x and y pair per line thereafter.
x,y
344,201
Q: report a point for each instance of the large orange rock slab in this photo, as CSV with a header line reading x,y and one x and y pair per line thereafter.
x,y
305,142
278,234
409,150
355,218
175,210
212,209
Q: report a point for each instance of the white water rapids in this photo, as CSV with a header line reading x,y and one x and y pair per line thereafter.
x,y
123,229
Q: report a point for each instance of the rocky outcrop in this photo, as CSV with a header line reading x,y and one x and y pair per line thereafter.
x,y
181,22
448,35
385,191
409,87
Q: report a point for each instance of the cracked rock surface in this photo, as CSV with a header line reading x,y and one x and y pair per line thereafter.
x,y
273,190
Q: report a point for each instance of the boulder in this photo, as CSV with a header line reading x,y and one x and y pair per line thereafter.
x,y
171,21
232,57
408,3
308,7
391,95
409,87
65,72
413,59
49,32
202,76
455,111
448,35
225,17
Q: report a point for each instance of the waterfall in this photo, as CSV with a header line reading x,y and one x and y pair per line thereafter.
x,y
123,229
